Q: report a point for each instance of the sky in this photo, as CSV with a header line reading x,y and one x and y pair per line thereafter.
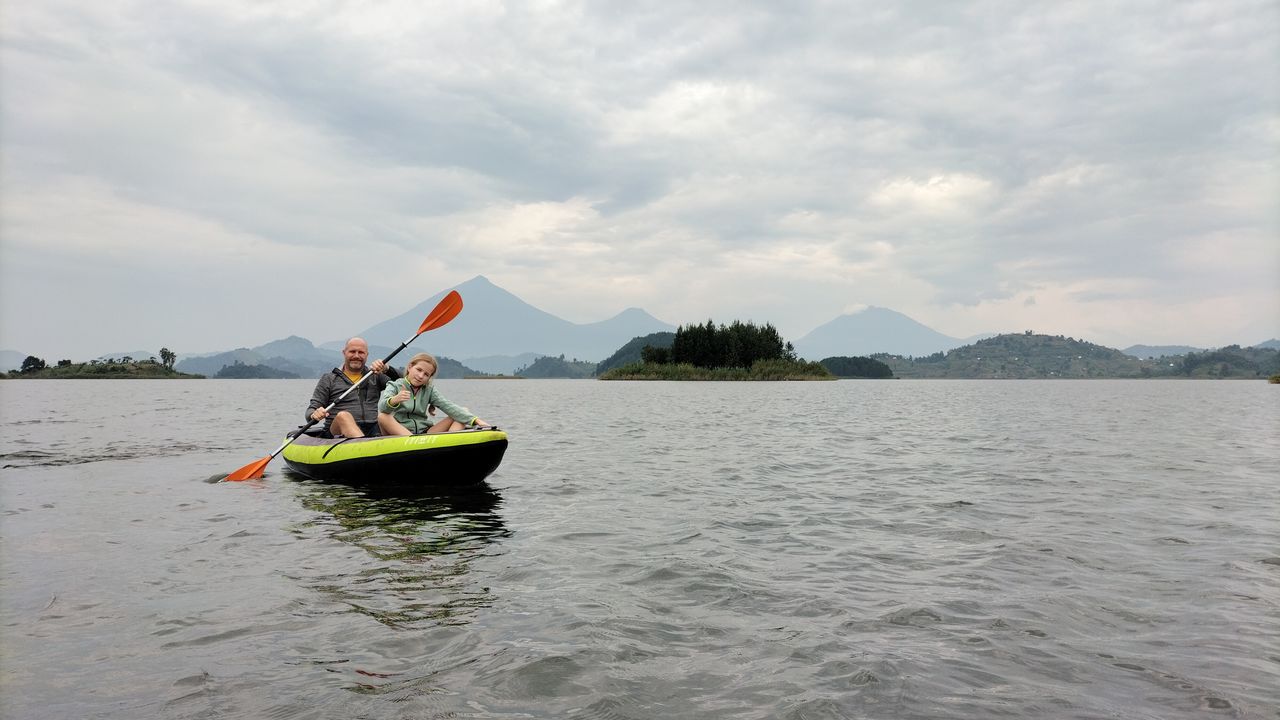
x,y
210,175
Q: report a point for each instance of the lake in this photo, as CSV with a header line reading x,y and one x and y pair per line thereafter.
x,y
852,549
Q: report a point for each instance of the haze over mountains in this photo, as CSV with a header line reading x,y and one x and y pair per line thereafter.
x,y
496,323
876,330
498,333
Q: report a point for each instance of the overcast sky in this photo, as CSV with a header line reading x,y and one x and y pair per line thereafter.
x,y
208,175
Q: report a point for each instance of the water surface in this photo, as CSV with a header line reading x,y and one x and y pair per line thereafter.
x,y
895,549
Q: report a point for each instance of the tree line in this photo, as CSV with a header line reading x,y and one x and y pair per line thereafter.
x,y
737,344
33,366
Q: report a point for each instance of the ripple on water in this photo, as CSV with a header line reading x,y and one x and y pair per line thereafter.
x,y
917,550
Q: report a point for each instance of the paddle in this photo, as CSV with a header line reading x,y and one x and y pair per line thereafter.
x,y
446,310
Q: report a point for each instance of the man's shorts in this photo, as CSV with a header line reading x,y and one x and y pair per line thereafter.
x,y
370,429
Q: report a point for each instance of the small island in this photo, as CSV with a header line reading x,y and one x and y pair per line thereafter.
x,y
34,368
738,351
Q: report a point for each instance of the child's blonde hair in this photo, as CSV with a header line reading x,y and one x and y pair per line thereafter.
x,y
423,357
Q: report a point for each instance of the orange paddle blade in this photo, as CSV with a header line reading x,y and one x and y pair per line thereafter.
x,y
446,310
252,471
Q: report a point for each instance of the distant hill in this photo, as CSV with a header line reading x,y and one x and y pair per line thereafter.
x,y
557,367
875,330
1043,356
500,364
449,368
293,355
301,351
497,332
630,353
1158,351
495,322
1229,361
240,371
1022,356
857,367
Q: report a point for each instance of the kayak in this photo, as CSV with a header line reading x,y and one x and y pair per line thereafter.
x,y
462,457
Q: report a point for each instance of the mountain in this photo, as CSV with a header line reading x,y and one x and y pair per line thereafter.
x,y
1045,356
448,369
495,322
1229,361
240,371
292,355
300,350
875,330
557,367
1024,356
297,357
631,352
500,364
1158,351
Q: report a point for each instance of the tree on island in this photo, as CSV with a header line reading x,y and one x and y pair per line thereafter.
x,y
125,367
738,344
655,355
738,351
32,364
168,357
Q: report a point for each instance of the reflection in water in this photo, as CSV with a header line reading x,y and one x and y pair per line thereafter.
x,y
421,545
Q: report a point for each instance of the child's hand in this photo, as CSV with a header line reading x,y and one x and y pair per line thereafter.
x,y
403,396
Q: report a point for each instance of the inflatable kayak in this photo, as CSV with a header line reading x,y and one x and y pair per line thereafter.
x,y
443,459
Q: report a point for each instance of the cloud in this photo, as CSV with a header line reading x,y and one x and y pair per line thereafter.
x,y
946,195
974,166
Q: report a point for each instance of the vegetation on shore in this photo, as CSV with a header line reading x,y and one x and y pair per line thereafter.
x,y
760,370
1231,361
857,367
35,368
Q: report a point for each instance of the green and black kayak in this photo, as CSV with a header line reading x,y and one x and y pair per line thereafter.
x,y
463,457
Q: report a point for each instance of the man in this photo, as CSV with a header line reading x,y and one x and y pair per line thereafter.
x,y
357,414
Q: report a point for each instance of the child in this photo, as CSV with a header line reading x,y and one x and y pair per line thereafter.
x,y
407,404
